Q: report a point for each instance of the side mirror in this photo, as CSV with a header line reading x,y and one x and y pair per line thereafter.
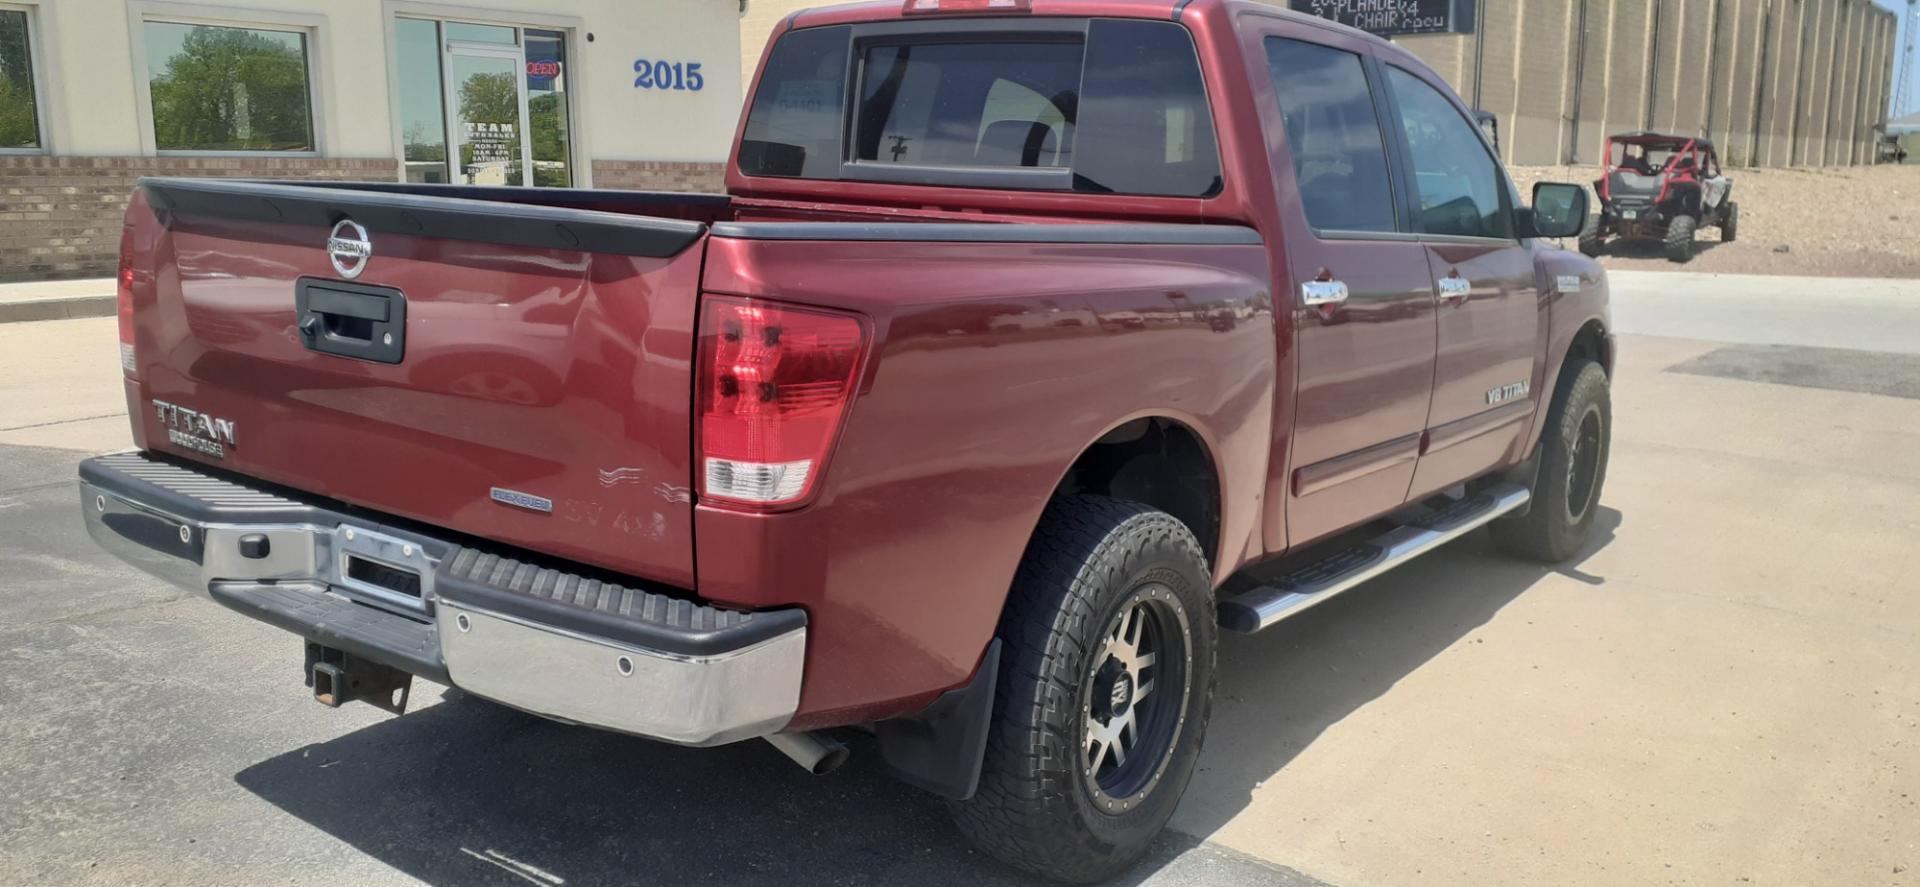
x,y
1559,210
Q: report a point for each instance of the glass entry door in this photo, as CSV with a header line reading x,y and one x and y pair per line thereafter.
x,y
483,104
487,114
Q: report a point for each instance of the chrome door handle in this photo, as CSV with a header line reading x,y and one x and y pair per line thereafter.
x,y
1455,287
1319,293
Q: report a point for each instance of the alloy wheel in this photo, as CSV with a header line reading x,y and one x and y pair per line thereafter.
x,y
1134,698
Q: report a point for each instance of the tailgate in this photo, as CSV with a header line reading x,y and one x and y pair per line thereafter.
x,y
536,390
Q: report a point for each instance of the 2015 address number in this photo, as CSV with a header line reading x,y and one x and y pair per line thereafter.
x,y
658,74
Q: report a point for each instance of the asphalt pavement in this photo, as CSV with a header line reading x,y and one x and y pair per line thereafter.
x,y
1720,690
150,737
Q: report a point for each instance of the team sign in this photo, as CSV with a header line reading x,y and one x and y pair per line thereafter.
x,y
1387,17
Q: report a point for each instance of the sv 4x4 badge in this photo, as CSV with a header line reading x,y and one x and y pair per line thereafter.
x,y
196,430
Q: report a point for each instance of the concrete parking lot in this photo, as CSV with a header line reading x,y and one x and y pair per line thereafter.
x,y
1724,689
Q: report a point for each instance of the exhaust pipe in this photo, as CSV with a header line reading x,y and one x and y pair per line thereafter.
x,y
817,753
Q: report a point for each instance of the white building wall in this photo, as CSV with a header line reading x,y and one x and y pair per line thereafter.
x,y
96,76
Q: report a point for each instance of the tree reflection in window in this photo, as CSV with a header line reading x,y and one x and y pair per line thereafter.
x,y
19,120
228,89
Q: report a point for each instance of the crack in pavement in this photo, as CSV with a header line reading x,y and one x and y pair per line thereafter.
x,y
61,422
33,488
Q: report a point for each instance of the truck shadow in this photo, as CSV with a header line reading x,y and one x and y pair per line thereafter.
x,y
1281,689
1652,249
467,792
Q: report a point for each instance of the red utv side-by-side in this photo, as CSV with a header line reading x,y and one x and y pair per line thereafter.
x,y
1661,187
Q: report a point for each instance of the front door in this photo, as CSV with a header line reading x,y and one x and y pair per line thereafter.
x,y
1359,297
1491,318
487,114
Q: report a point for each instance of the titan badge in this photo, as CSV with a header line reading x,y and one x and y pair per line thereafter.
x,y
195,430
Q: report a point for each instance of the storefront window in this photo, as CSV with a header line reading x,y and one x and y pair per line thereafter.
x,y
19,119
547,107
423,110
228,89
467,32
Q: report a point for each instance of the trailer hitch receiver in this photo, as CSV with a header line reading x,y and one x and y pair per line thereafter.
x,y
338,677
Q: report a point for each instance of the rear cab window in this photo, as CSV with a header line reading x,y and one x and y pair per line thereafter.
x,y
1090,105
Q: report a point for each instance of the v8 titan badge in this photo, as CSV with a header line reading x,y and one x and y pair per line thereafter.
x,y
195,430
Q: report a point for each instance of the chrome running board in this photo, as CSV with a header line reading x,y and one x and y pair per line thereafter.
x,y
1302,588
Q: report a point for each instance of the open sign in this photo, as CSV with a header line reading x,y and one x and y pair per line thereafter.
x,y
543,68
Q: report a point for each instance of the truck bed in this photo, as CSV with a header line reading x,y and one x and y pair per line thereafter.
x,y
545,346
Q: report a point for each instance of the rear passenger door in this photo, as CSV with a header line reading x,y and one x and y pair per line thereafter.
x,y
1359,289
1490,316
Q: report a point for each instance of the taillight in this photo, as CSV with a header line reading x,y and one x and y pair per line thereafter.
x,y
124,293
774,382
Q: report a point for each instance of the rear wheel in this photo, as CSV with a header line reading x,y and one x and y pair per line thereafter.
x,y
1730,223
1591,242
1680,238
1106,682
1573,467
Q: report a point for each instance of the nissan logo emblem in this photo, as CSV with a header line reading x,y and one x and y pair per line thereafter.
x,y
349,248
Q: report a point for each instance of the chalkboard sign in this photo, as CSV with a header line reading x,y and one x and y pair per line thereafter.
x,y
1389,17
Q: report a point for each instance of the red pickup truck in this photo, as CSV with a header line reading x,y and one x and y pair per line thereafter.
x,y
1034,343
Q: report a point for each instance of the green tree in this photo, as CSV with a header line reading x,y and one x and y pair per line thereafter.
x,y
233,89
490,98
547,118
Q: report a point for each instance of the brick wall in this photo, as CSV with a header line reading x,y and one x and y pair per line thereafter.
x,y
659,175
60,216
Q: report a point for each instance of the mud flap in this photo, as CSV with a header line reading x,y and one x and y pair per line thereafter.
x,y
941,749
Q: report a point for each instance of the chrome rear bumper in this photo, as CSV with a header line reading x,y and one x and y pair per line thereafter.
x,y
544,640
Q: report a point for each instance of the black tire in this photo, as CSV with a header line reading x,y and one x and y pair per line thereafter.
x,y
1573,467
1680,238
1730,223
1592,244
1040,806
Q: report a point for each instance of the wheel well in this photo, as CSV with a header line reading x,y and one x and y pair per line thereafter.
x,y
1158,462
1590,343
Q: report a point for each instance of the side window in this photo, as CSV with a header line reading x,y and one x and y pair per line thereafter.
x,y
794,127
1455,179
1144,116
1339,157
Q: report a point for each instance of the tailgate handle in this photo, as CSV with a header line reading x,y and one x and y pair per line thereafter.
x,y
351,319
343,304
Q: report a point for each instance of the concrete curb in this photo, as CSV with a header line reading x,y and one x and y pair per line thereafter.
x,y
57,309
